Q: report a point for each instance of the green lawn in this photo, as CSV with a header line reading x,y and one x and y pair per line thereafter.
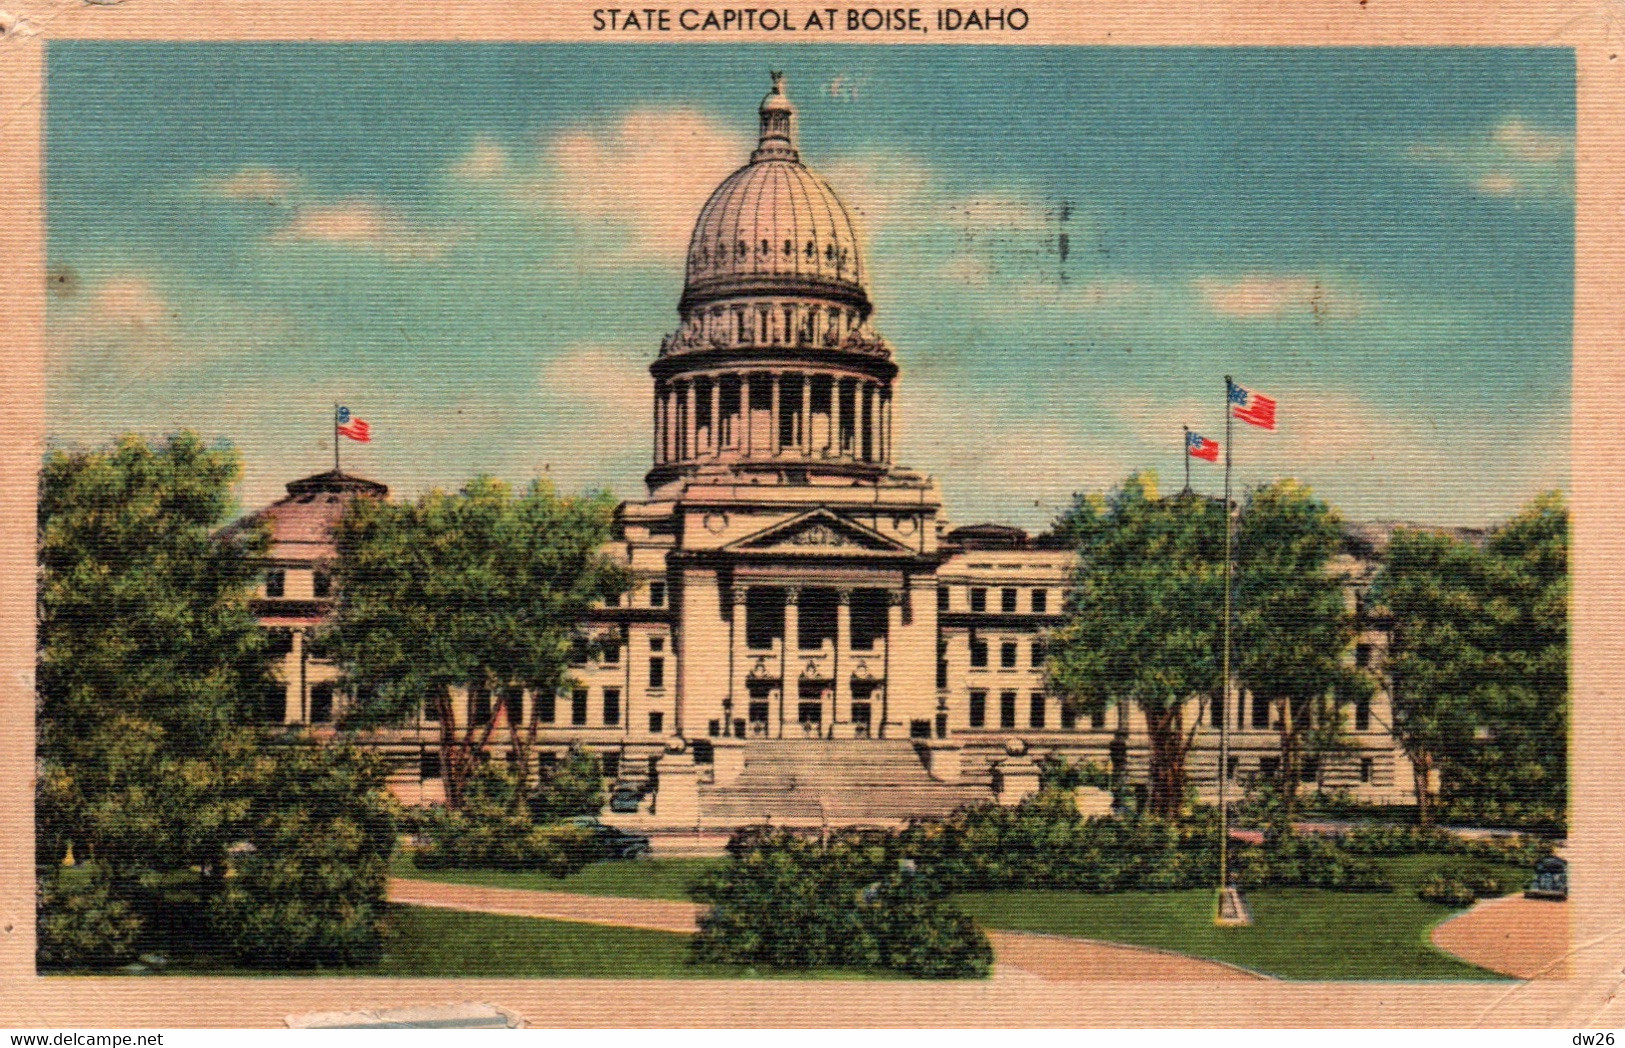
x,y
632,878
1297,933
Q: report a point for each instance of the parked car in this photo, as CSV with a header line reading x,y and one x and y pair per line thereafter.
x,y
626,799
612,842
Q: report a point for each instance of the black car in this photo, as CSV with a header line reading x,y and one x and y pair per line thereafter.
x,y
612,842
625,799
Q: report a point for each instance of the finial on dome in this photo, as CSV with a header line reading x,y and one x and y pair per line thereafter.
x,y
778,137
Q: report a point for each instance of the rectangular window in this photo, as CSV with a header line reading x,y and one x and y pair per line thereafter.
x,y
1069,717
1217,710
657,643
1036,711
978,599
1366,766
657,594
612,651
1362,655
978,709
657,722
578,651
1040,601
1040,652
1097,718
612,706
942,665
428,764
1362,714
978,653
942,598
1007,655
1007,709
1007,600
1261,712
479,705
276,582
1231,767
578,707
321,703
321,584
1269,767
657,671
513,700
546,707
611,763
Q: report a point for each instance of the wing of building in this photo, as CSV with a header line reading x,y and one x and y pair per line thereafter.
x,y
807,638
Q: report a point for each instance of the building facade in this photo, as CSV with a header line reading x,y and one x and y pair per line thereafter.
x,y
795,586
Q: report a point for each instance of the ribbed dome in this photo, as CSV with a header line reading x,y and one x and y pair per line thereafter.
x,y
774,226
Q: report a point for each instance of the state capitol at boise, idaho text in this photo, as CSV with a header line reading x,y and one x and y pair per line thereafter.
x,y
775,19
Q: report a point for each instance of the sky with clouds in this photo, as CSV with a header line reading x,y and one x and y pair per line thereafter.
x,y
479,247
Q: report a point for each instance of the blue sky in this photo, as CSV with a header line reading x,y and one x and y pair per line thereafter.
x,y
479,247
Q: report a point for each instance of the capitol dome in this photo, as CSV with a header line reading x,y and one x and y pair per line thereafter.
x,y
775,227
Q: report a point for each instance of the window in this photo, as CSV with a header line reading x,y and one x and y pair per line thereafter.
x,y
280,642
657,671
657,643
1217,710
1269,767
1069,717
1097,718
578,651
479,705
1362,714
321,703
978,599
1231,767
428,765
942,664
657,594
1309,770
513,700
942,598
1036,710
1007,709
1040,601
1007,655
657,722
276,582
1040,651
1007,600
612,651
1366,765
1261,712
321,584
612,706
978,653
546,707
1362,655
578,707
978,709
611,763
273,703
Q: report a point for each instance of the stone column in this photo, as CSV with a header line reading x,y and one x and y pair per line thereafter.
x,y
774,422
738,657
716,416
894,629
842,690
806,415
789,675
871,432
691,428
659,451
835,415
744,413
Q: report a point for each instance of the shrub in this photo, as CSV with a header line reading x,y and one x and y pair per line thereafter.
x,y
499,841
81,924
848,902
573,786
309,889
1462,885
1521,850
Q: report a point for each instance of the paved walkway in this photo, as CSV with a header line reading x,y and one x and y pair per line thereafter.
x,y
1020,955
1523,938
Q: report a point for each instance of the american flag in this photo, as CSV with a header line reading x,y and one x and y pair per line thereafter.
x,y
354,428
1198,446
1252,407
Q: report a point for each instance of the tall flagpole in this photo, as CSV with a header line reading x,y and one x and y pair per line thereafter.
x,y
336,438
1224,719
1185,453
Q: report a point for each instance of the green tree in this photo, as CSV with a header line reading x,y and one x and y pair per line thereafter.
x,y
1144,623
148,656
574,786
1293,623
1433,590
480,588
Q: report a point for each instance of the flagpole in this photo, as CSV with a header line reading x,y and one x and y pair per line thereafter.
x,y
1185,450
336,439
1224,719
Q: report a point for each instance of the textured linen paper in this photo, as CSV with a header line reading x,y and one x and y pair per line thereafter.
x,y
841,309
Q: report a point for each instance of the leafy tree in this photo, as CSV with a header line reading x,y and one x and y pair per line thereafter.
x,y
1293,623
481,588
574,786
148,656
1145,619
1433,588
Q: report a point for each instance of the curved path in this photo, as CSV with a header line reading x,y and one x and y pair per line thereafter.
x,y
1523,938
1052,958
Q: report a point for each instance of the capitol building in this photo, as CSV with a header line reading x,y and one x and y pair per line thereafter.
x,y
807,638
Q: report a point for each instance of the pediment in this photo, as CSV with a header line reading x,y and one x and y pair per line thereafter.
x,y
817,531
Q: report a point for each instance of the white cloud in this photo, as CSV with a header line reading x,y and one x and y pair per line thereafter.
x,y
367,226
1255,296
255,185
1513,159
485,160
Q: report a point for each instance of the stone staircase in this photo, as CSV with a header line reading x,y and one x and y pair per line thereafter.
x,y
814,782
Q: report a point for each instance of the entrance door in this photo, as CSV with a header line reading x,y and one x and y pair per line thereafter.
x,y
810,715
860,719
758,718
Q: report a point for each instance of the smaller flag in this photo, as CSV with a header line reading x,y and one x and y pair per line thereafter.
x,y
1198,446
354,428
1252,407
